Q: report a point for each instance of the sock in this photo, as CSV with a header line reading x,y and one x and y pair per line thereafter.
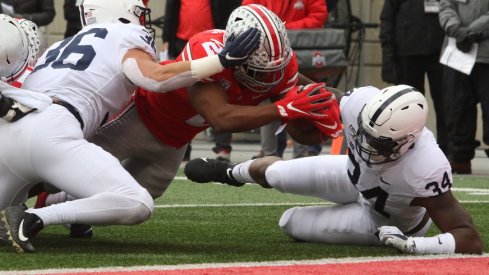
x,y
241,172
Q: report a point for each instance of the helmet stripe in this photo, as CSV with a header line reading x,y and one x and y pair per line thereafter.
x,y
272,33
384,105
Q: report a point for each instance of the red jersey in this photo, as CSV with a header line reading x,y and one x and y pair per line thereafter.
x,y
171,118
195,17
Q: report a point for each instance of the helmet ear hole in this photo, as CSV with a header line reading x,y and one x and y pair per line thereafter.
x,y
124,21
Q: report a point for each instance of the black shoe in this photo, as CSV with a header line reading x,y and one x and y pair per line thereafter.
x,y
205,170
20,226
81,231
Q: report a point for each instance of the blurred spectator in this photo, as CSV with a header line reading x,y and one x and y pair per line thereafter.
x,y
411,39
467,22
297,14
40,12
183,19
72,17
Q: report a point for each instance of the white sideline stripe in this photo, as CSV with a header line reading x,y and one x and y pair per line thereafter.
x,y
457,189
240,204
246,264
269,204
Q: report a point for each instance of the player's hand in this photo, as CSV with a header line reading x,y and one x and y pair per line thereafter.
x,y
330,125
238,48
392,236
310,102
11,110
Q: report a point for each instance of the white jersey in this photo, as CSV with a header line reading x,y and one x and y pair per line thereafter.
x,y
422,171
85,70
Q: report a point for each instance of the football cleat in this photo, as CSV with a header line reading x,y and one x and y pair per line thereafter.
x,y
203,170
19,227
81,231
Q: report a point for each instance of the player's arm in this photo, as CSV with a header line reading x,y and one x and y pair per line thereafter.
x,y
459,233
140,68
211,101
315,131
451,218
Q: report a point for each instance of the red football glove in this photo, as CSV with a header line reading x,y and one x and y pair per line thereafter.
x,y
330,124
309,102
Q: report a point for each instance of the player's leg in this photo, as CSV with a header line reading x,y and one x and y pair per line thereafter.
x,y
322,176
108,194
151,163
154,169
339,224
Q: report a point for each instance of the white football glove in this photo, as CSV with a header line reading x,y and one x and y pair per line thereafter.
x,y
392,236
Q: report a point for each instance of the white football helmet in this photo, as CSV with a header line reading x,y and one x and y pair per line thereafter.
x,y
390,123
14,49
264,69
115,11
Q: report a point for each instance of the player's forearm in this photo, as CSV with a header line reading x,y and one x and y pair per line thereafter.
x,y
237,118
163,78
467,240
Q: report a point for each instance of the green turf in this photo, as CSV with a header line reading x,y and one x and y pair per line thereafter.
x,y
202,224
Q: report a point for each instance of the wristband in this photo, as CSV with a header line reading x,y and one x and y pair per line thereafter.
x,y
439,244
204,67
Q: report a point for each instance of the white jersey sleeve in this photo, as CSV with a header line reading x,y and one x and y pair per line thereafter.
x,y
86,70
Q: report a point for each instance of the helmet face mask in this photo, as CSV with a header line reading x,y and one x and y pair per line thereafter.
x,y
378,150
389,124
265,67
116,11
258,80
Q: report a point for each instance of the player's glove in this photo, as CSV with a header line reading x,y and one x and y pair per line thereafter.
x,y
238,48
310,102
330,124
11,110
392,236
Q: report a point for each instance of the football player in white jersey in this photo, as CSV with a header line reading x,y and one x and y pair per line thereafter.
x,y
90,76
394,182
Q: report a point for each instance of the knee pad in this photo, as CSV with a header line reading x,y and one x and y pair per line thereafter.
x,y
274,174
143,207
285,223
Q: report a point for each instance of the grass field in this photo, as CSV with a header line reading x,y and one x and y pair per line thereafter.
x,y
211,223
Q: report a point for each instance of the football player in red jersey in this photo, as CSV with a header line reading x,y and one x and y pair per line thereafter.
x,y
151,134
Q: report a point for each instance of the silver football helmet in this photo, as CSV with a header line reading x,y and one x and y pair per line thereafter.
x,y
390,123
264,69
115,11
14,49
34,37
